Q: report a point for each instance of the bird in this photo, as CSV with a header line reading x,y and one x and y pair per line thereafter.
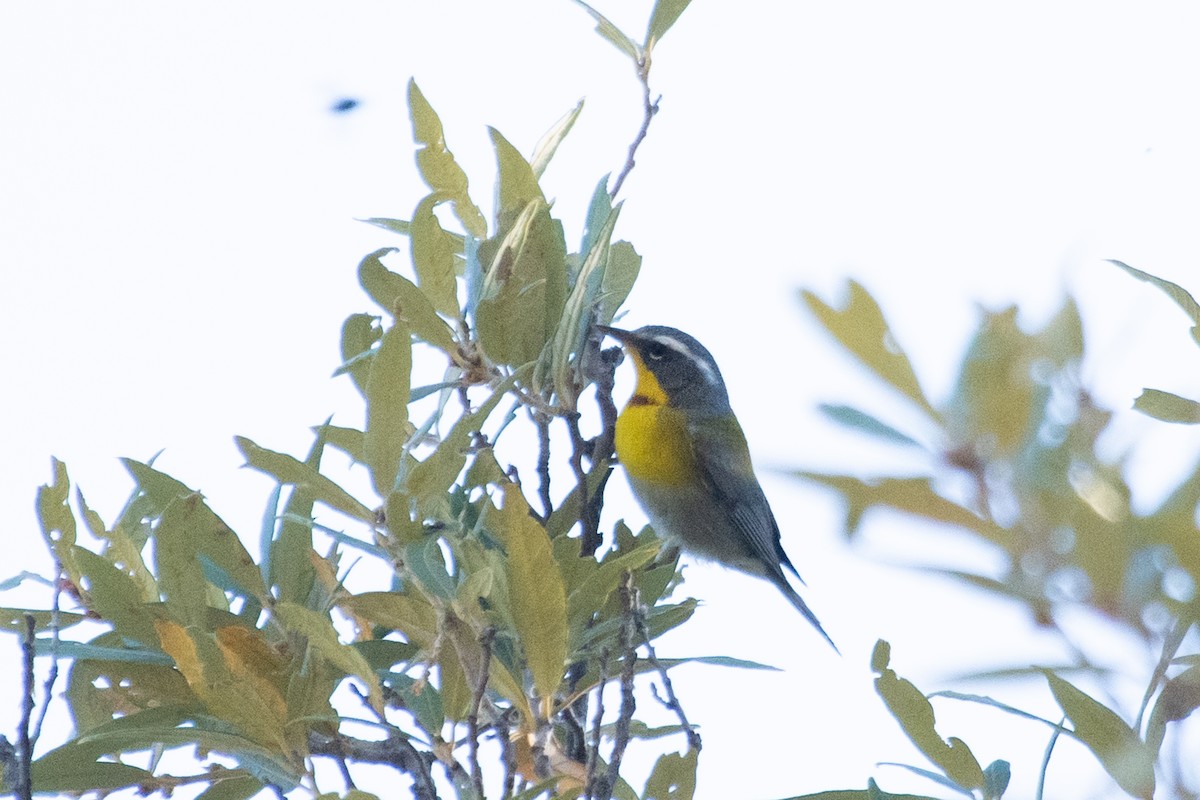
x,y
688,463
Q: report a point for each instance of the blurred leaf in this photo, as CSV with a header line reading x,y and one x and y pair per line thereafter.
x,y
1168,407
421,699
988,701
913,495
612,33
424,558
437,165
63,772
624,265
241,787
116,598
289,470
994,399
455,690
666,12
318,629
539,602
914,713
433,256
854,418
387,407
383,654
1176,292
591,595
673,777
718,661
548,144
403,299
1117,747
1061,340
872,793
1179,699
862,330
517,183
98,689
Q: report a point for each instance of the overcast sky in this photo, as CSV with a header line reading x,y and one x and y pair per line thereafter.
x,y
178,245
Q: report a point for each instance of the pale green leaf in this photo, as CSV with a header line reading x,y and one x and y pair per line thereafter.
x,y
1168,407
360,332
673,777
861,420
612,33
665,14
1116,746
434,257
399,226
387,407
401,298
437,165
291,471
539,601
548,144
1181,296
318,629
914,713
862,330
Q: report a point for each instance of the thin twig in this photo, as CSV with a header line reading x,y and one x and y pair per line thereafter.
x,y
593,753
395,751
485,643
671,701
649,110
24,782
1041,786
600,368
628,641
590,538
52,675
543,468
504,731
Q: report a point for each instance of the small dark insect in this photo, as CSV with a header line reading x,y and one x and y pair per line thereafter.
x,y
344,105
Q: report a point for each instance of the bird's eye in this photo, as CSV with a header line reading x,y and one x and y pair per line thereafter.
x,y
656,351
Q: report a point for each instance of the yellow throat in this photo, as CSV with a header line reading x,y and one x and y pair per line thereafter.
x,y
652,438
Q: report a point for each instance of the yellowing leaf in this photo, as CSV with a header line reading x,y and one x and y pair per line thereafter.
x,y
434,252
318,630
437,165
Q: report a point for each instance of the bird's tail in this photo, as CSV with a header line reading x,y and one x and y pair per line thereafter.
x,y
795,599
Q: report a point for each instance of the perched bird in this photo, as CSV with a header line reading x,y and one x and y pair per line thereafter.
x,y
688,464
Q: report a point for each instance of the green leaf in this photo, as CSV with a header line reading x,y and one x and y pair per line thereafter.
x,y
421,699
524,288
912,495
434,256
1181,296
360,332
437,165
995,779
624,265
408,613
399,226
116,598
293,472
862,330
1179,699
914,713
180,577
539,601
402,298
56,520
516,179
348,440
673,777
429,480
666,12
318,629
1168,407
548,144
1116,746
854,418
613,34
13,619
590,596
62,772
240,787
387,407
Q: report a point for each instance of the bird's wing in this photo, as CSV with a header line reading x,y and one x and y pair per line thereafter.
x,y
723,460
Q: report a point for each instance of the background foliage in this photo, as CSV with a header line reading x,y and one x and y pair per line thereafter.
x,y
490,625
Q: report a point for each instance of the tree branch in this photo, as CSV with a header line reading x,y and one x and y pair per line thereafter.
x,y
485,643
649,110
23,785
629,632
394,751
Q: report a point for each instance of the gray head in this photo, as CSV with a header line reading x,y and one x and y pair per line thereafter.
x,y
683,367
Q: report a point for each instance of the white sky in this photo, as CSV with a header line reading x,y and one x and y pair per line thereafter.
x,y
178,246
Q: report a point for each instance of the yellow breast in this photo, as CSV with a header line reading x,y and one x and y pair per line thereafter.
x,y
652,439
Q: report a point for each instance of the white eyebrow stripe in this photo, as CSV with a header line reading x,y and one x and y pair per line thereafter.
x,y
710,375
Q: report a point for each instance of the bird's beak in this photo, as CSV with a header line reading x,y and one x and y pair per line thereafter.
x,y
622,336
